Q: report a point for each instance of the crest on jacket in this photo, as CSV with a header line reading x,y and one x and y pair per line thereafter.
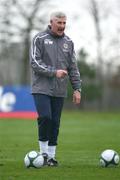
x,y
65,47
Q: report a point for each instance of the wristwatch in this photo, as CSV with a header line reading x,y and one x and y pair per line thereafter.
x,y
78,90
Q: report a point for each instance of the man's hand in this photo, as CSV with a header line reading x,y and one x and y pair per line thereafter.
x,y
61,73
76,97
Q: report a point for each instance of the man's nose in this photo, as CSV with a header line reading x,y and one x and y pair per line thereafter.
x,y
62,25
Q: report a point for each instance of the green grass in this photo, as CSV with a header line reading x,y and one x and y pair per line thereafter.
x,y
83,136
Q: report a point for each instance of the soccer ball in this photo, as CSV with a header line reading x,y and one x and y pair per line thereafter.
x,y
33,159
108,158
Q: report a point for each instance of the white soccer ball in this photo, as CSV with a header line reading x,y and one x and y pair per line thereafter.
x,y
33,159
109,157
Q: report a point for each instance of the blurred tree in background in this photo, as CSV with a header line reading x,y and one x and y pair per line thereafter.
x,y
19,19
91,89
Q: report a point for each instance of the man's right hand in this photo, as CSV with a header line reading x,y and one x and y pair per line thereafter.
x,y
61,73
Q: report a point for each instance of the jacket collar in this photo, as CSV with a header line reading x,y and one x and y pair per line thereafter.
x,y
52,33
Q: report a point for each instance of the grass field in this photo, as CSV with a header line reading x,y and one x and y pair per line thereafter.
x,y
83,136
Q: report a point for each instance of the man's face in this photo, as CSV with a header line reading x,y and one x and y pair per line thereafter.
x,y
58,25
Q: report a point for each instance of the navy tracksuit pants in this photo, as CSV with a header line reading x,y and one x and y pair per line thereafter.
x,y
49,112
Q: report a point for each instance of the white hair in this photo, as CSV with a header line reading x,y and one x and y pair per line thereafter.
x,y
57,14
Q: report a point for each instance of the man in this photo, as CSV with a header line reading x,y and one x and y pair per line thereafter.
x,y
52,62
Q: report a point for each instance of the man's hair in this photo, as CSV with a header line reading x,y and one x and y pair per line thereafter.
x,y
57,14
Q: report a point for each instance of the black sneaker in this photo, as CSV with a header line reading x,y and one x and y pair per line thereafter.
x,y
52,162
45,156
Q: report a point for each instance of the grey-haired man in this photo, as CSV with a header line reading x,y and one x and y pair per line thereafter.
x,y
53,62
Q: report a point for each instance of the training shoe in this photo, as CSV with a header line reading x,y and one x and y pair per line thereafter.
x,y
52,162
45,156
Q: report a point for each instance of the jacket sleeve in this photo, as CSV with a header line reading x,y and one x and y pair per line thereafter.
x,y
36,61
73,71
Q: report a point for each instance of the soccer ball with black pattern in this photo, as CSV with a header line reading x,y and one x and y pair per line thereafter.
x,y
108,158
33,159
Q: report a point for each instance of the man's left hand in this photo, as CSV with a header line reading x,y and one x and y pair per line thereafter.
x,y
76,97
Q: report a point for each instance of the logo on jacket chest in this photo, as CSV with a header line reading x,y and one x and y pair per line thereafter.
x,y
48,41
65,47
